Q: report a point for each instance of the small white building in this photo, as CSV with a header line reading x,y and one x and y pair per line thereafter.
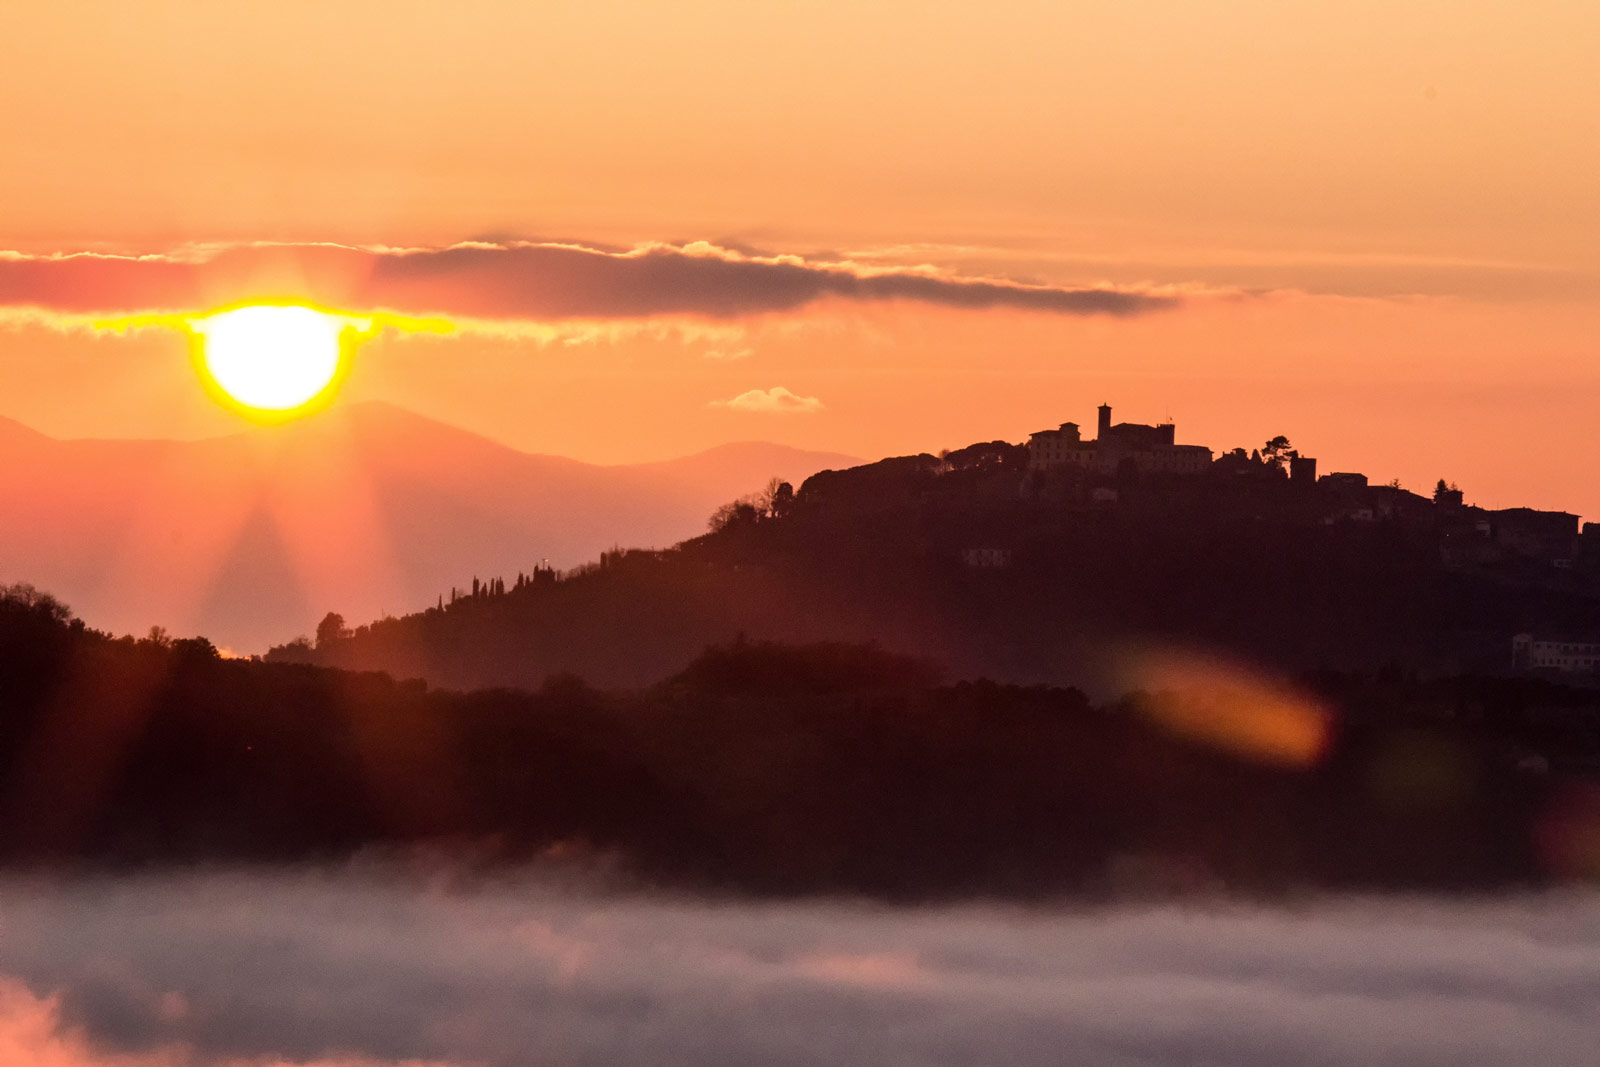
x,y
1531,653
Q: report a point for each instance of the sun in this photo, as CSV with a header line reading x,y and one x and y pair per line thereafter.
x,y
272,361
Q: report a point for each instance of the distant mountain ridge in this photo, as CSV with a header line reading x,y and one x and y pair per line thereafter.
x,y
367,509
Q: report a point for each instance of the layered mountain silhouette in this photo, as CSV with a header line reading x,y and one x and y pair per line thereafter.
x,y
368,509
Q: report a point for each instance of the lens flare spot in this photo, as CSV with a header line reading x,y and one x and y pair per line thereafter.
x,y
1233,708
1567,834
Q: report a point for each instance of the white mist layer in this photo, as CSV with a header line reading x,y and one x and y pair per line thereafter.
x,y
346,970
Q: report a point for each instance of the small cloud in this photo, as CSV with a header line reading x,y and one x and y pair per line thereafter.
x,y
774,401
730,354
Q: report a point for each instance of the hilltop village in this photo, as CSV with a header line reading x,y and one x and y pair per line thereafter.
x,y
1123,454
1043,562
1131,466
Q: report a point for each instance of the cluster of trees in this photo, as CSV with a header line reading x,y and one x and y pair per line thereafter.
x,y
985,455
497,586
1275,455
772,502
21,601
333,629
771,768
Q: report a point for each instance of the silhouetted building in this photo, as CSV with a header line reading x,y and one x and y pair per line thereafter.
x,y
1465,541
1302,470
1059,448
1393,502
1148,449
1544,535
986,558
1530,653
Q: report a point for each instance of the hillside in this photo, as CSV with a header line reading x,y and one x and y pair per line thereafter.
x,y
823,768
370,509
994,570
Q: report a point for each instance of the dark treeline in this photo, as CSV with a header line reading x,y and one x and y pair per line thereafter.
x,y
995,570
767,768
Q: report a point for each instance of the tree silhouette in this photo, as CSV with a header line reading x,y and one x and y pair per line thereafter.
x,y
21,597
774,500
734,513
778,497
1276,452
331,629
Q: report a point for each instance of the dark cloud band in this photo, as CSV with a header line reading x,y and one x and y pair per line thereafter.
x,y
516,282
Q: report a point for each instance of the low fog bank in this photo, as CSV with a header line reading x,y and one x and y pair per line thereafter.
x,y
326,968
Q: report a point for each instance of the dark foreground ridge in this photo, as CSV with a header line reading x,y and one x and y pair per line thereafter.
x,y
765,768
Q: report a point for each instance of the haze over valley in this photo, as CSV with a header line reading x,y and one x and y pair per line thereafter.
x,y
250,538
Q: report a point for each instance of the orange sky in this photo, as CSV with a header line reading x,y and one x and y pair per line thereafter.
x,y
1379,218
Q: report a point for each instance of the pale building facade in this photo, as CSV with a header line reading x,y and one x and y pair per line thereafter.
x,y
1531,653
1150,449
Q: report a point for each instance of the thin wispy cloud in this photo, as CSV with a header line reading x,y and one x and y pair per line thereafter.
x,y
519,281
774,401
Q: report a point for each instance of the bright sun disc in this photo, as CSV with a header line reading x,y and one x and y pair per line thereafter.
x,y
272,358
